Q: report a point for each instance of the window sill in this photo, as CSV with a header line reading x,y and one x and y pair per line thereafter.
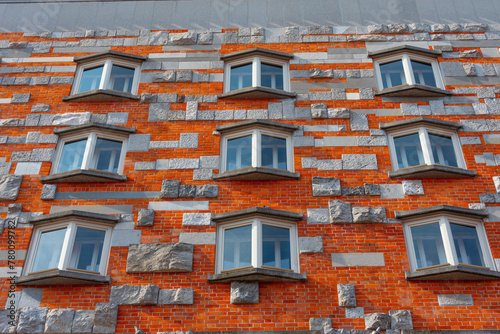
x,y
256,173
101,95
416,90
83,175
257,93
431,171
256,274
453,273
60,277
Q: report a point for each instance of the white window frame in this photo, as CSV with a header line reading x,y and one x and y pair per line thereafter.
x,y
88,157
106,74
256,146
449,246
256,71
408,70
256,258
68,244
423,132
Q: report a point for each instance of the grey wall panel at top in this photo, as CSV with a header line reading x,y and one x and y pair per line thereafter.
x,y
77,15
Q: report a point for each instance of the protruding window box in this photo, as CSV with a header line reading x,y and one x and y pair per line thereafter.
x,y
257,244
70,247
90,153
106,76
256,150
425,148
256,74
447,243
408,71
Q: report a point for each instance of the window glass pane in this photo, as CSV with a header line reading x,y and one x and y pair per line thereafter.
x,y
72,156
273,152
393,74
237,247
121,78
49,250
276,247
467,244
271,76
107,155
241,76
239,153
442,150
428,245
423,73
91,78
87,249
409,151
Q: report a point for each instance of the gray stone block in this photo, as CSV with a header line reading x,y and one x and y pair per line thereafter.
x,y
353,191
207,191
145,165
333,164
205,115
359,162
32,320
182,296
134,294
205,38
105,318
401,319
365,215
372,189
470,140
9,324
371,141
191,110
170,189
452,69
376,320
39,81
197,219
167,97
377,29
478,125
145,217
69,119
210,162
188,140
356,313
469,54
324,325
359,122
413,187
325,186
318,216
455,300
338,113
48,192
489,71
187,190
311,245
179,163
358,259
32,120
165,257
42,154
339,212
303,141
224,115
470,70
20,98
59,321
203,174
184,76
5,167
20,156
346,295
117,118
409,109
309,162
176,115
185,38
244,292
31,137
139,142
157,38
149,98
197,238
257,114
9,187
319,110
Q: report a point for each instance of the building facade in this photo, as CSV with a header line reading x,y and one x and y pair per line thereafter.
x,y
311,167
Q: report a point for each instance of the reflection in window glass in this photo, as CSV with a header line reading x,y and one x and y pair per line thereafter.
x,y
87,249
467,245
91,79
237,247
107,155
72,156
428,245
271,76
423,73
442,150
49,250
241,76
121,78
393,74
273,152
409,151
239,153
276,247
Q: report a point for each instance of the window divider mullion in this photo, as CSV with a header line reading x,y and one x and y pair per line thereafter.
x,y
426,146
449,246
89,151
410,78
67,245
256,243
256,148
106,72
256,72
